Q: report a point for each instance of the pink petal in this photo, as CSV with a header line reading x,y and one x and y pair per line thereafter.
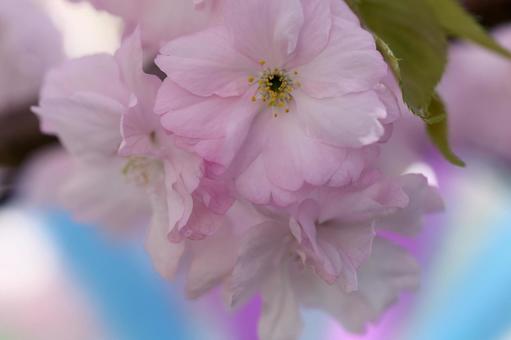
x,y
348,121
259,246
215,127
359,204
315,32
96,191
349,63
87,124
292,157
165,255
254,185
341,10
140,133
353,165
97,74
388,273
206,64
423,199
212,260
265,29
335,250
130,59
280,316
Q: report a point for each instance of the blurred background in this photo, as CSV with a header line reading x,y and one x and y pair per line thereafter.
x,y
61,280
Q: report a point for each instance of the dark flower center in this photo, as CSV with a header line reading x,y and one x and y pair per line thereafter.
x,y
276,83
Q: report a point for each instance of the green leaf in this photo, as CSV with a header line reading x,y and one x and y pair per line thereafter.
x,y
414,40
389,56
459,23
438,130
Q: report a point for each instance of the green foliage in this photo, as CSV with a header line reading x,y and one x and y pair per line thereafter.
x,y
412,36
458,23
438,130
418,47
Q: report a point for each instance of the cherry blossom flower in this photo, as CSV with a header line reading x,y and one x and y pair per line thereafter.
x,y
329,257
83,98
283,95
101,109
254,163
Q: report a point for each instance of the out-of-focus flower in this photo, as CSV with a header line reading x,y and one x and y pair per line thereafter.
x,y
332,235
476,88
162,20
83,102
29,46
285,94
130,164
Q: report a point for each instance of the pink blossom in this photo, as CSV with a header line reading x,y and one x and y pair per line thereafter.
x,y
83,98
327,256
283,95
101,109
29,46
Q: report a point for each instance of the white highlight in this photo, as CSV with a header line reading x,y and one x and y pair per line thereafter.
x,y
28,260
85,31
424,169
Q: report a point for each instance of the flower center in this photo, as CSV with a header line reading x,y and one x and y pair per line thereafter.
x,y
142,171
275,88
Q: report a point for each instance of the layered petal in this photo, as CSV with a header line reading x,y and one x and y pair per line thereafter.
x,y
377,198
315,32
351,120
98,74
423,199
212,260
206,64
334,249
140,128
88,124
265,29
387,273
280,315
165,255
214,127
349,63
259,251
97,191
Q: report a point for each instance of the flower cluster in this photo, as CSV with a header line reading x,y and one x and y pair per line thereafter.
x,y
254,161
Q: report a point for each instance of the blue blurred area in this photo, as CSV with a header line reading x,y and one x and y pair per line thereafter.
x,y
478,303
133,301
468,296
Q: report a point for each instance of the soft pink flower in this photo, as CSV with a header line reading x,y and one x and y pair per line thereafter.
x,y
29,45
331,235
82,102
101,107
334,228
284,95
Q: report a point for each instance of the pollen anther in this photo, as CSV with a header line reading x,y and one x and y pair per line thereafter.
x,y
275,88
